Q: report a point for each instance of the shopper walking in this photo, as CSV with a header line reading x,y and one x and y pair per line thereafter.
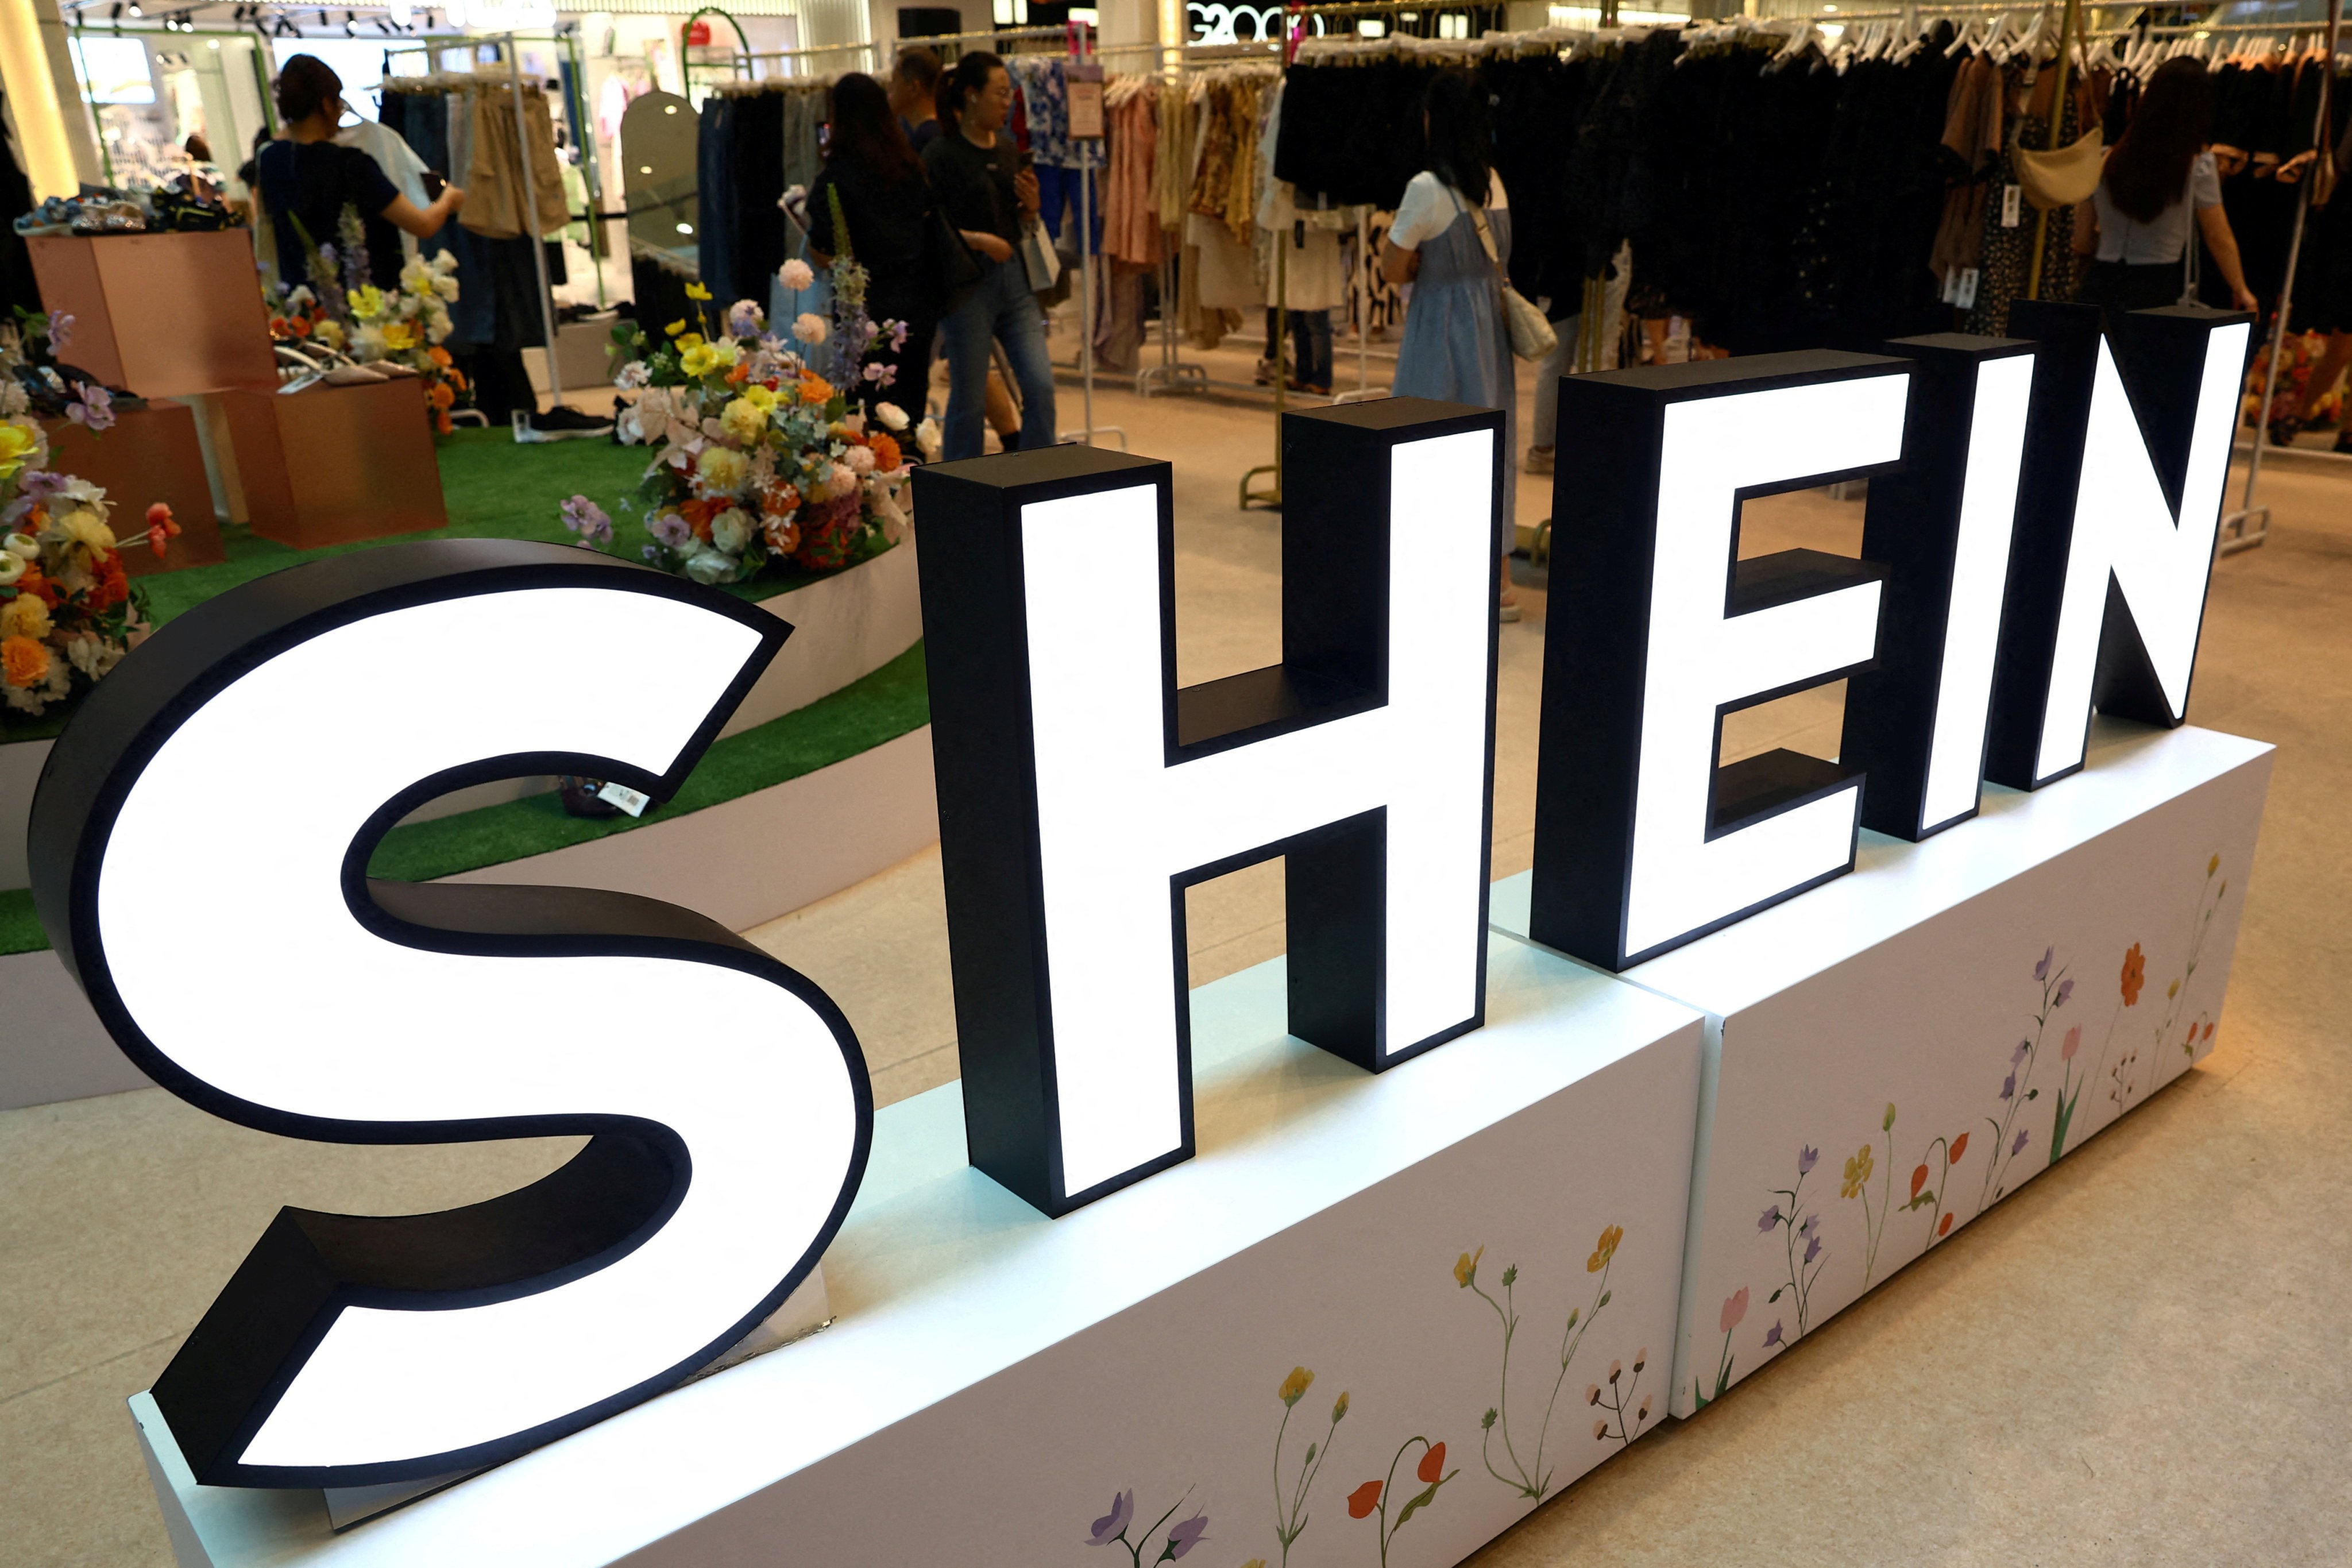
x,y
305,180
1451,240
988,196
2158,192
886,205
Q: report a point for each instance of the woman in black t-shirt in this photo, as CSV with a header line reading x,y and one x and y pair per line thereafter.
x,y
886,204
306,179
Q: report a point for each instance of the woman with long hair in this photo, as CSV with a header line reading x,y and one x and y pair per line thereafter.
x,y
1450,240
2159,191
886,204
990,194
306,179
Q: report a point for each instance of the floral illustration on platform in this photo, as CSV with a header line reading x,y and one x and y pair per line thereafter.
x,y
1374,1496
1617,1397
1529,1476
2008,1140
1112,1528
1290,1516
1735,1312
2201,922
1928,1190
1805,1267
1857,1185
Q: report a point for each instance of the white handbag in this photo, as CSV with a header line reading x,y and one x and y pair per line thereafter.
x,y
1531,335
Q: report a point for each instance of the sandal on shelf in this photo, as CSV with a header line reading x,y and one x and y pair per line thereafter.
x,y
2284,430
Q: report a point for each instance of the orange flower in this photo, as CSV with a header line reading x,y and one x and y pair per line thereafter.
x,y
1363,1500
1918,1180
741,373
438,355
456,378
1943,1225
440,396
697,513
300,326
815,389
40,587
778,498
2135,975
442,422
1959,1147
887,455
1433,1464
1604,1249
23,662
783,535
112,587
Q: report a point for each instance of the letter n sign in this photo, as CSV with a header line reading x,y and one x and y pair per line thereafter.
x,y
1081,790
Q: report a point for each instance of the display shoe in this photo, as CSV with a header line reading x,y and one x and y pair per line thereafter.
x,y
2284,430
560,423
1508,614
1540,460
2343,443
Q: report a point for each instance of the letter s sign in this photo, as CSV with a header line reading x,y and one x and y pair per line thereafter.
x,y
200,843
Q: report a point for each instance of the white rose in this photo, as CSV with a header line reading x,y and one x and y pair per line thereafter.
x,y
894,417
731,530
707,565
23,545
12,566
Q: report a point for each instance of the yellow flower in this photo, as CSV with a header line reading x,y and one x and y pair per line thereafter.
x,y
1604,1249
367,302
400,336
1340,1409
675,327
743,419
691,340
24,616
86,529
721,470
759,397
18,442
1296,1386
1857,1171
1465,1267
2213,865
697,292
2172,990
698,361
330,333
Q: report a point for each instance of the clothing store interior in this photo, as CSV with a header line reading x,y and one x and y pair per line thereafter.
x,y
706,291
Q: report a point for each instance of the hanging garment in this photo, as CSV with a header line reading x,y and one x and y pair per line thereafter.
x,y
501,200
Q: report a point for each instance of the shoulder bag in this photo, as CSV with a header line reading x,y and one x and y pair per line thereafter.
x,y
1531,335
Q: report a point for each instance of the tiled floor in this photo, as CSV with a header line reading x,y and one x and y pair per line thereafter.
x,y
2138,1360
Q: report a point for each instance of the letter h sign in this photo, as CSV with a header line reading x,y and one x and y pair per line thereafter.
x,y
1081,790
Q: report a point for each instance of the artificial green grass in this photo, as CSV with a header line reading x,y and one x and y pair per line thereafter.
x,y
20,929
892,701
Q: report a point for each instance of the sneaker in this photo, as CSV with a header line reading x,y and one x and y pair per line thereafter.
x,y
560,423
1538,460
1507,613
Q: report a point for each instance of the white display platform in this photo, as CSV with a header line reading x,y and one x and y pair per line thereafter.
x,y
996,1381
742,862
845,627
1906,988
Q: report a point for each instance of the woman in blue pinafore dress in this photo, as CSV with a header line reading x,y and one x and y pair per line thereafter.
x,y
1456,346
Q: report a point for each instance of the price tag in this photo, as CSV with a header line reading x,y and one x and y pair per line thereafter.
x,y
1086,99
627,799
2011,206
1965,296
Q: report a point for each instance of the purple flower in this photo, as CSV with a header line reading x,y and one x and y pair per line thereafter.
x,y
1812,1225
61,328
1767,1219
2018,1054
1106,1528
2018,1147
95,408
2041,970
671,530
897,336
589,520
744,319
2065,989
1812,1248
1772,1336
1806,1159
38,484
1187,1535
2008,1085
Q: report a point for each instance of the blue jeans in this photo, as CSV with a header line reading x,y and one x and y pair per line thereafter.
x,y
1000,307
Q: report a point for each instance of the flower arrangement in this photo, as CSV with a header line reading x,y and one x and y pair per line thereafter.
x,y
33,380
66,610
761,458
343,311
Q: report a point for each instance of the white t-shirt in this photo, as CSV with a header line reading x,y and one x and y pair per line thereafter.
x,y
1430,206
2163,240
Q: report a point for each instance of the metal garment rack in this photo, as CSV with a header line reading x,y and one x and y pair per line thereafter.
x,y
529,189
